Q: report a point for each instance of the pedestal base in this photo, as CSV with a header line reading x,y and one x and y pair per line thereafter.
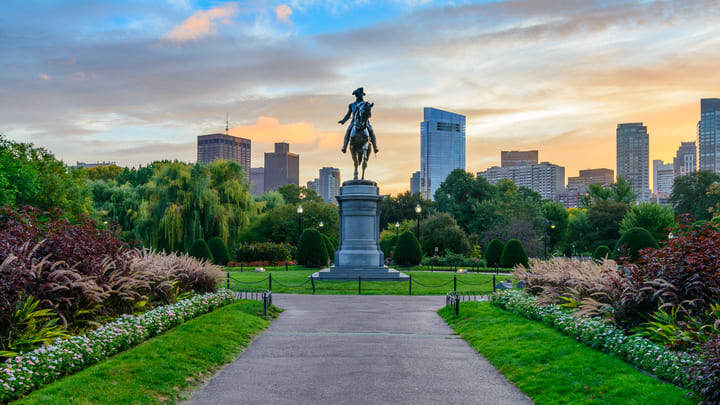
x,y
366,274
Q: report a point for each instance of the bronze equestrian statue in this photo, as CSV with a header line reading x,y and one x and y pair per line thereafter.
x,y
359,134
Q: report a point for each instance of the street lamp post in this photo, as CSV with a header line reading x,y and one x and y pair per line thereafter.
x,y
299,211
321,225
418,210
397,236
547,235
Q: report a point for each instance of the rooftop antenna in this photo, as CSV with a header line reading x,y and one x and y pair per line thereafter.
x,y
227,123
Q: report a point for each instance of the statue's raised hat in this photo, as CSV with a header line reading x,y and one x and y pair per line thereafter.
x,y
358,91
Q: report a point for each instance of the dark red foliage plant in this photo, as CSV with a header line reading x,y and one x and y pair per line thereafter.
x,y
707,375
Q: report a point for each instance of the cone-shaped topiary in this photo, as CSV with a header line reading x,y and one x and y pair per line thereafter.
x,y
409,252
493,252
219,251
513,254
311,249
328,246
632,242
200,250
601,253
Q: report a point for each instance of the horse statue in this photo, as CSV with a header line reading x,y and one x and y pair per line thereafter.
x,y
360,138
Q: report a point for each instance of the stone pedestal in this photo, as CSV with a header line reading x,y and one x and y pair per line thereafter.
x,y
359,253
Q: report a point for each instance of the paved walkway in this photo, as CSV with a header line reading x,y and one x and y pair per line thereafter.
x,y
345,349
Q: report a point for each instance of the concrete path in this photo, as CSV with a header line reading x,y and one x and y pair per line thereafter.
x,y
345,349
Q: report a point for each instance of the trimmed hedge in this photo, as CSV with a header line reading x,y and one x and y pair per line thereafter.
x,y
219,251
601,252
409,252
266,251
201,251
493,253
513,254
311,249
632,242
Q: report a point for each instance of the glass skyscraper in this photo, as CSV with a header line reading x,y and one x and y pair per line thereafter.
x,y
708,135
442,148
633,156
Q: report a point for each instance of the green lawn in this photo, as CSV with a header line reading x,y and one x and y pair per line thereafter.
x,y
552,368
413,268
423,283
162,368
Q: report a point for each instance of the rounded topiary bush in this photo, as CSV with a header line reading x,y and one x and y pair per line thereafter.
x,y
513,254
329,247
219,251
632,242
200,250
493,252
311,249
601,253
409,252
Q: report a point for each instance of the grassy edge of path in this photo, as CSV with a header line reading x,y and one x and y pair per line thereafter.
x,y
552,368
164,368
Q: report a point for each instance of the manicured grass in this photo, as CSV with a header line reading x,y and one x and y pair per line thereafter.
x,y
404,269
160,369
423,283
553,368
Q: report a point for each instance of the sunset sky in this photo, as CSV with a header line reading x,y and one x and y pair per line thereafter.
x,y
137,81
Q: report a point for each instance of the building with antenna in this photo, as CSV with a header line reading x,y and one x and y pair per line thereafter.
x,y
224,146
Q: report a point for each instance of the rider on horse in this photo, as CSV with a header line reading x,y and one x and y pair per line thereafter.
x,y
353,109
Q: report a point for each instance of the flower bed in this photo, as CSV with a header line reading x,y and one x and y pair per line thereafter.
x,y
45,364
635,350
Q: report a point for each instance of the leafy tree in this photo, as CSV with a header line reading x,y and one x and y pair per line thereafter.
x,y
281,224
219,251
442,231
620,191
459,195
528,232
402,207
605,216
32,176
109,172
513,254
200,250
691,194
557,217
581,234
140,175
183,203
632,242
268,201
294,194
408,250
654,217
328,247
493,253
116,203
311,249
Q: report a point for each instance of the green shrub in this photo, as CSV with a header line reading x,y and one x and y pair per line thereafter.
x,y
387,245
311,249
219,251
493,252
200,250
513,254
632,242
408,252
328,247
267,251
601,252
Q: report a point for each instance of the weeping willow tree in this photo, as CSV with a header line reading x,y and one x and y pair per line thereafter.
x,y
186,202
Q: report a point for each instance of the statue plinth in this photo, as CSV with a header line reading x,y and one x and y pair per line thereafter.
x,y
359,253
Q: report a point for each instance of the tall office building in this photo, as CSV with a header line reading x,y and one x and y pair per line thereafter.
x,y
415,183
633,157
685,160
663,177
257,180
281,167
708,135
442,148
220,146
544,178
329,183
510,158
87,165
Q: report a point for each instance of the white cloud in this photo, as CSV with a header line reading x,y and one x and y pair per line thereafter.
x,y
202,23
283,13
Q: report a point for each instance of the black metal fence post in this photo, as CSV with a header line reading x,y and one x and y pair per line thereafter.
x,y
312,282
457,305
265,303
270,282
410,285
454,282
359,285
493,283
228,280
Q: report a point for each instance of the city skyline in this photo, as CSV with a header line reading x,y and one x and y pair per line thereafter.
x,y
134,82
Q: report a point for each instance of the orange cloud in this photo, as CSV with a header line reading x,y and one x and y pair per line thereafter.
x,y
283,13
202,23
